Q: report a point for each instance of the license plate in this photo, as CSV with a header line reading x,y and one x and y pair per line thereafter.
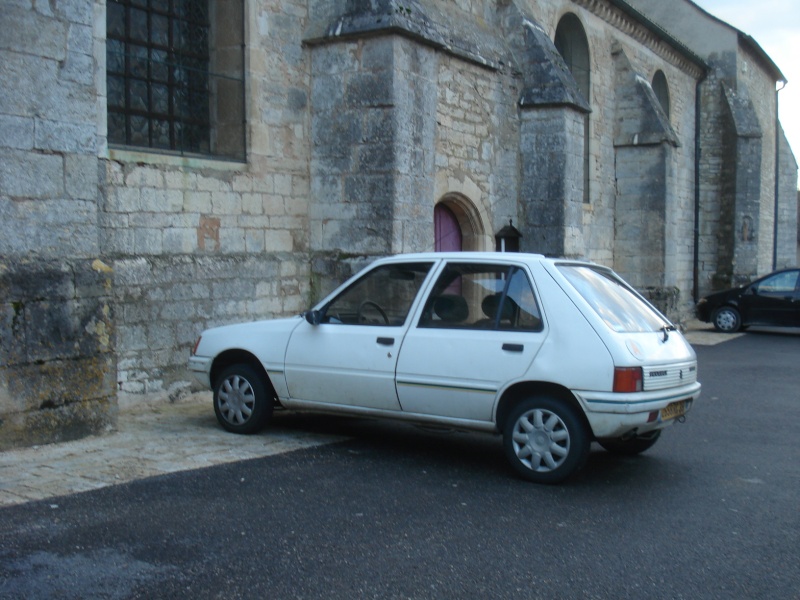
x,y
672,410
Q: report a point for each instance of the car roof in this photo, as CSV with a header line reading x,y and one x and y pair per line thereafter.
x,y
481,256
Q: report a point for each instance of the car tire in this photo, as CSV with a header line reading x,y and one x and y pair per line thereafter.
x,y
241,401
726,319
632,446
545,440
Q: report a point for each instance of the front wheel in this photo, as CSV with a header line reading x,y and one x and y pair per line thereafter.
x,y
545,440
727,319
632,446
241,402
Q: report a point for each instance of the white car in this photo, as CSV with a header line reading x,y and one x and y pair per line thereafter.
x,y
553,354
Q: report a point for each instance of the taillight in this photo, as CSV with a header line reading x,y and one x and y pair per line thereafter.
x,y
628,379
196,344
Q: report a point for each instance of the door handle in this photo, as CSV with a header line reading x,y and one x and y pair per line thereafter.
x,y
513,347
386,341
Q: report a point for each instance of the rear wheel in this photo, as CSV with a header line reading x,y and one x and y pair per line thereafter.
x,y
632,446
545,440
241,401
727,319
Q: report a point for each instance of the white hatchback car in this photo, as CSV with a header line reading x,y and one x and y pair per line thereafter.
x,y
553,354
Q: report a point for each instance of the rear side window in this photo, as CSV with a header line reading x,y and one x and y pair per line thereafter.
x,y
621,309
476,296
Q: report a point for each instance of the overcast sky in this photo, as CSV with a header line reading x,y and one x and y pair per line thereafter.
x,y
775,25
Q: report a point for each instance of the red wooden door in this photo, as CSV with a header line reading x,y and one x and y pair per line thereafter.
x,y
447,236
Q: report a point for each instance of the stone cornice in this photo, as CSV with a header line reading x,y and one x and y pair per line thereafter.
x,y
625,19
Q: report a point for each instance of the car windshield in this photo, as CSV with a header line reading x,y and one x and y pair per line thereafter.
x,y
621,309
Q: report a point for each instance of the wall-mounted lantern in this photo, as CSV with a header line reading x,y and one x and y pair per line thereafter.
x,y
508,238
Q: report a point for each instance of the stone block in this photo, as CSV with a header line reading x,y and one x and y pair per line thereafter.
x,y
31,175
179,240
226,203
59,423
17,132
279,241
80,176
231,239
131,272
29,32
197,202
26,280
148,241
254,240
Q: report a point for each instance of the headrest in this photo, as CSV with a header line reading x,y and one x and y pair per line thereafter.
x,y
451,308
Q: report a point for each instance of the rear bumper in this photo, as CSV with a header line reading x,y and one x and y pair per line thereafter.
x,y
614,415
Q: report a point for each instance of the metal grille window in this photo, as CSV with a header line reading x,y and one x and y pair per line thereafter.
x,y
174,78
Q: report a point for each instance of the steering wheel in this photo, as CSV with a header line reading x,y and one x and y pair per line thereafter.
x,y
362,318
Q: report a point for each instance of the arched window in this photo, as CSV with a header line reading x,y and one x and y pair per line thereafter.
x,y
661,90
572,44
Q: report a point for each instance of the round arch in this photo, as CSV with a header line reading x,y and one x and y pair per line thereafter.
x,y
573,45
468,219
661,90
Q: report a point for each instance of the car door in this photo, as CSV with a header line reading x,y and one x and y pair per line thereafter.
x,y
773,300
479,328
350,356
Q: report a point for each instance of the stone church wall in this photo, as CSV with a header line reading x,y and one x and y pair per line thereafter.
x,y
196,243
57,321
113,260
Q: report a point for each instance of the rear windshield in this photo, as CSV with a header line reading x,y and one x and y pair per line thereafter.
x,y
621,309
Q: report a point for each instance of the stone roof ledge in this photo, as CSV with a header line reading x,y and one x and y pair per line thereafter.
x,y
363,18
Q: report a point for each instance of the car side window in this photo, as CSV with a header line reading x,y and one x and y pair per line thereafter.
x,y
490,297
782,283
382,296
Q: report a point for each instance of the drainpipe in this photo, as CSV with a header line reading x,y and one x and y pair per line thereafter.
x,y
777,180
697,150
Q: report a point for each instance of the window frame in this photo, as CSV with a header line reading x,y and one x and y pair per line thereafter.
x,y
187,97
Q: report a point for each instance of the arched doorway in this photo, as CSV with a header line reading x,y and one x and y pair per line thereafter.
x,y
458,225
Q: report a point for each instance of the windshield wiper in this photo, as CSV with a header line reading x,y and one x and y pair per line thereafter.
x,y
666,329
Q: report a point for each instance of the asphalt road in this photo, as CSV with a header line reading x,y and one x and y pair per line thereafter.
x,y
712,511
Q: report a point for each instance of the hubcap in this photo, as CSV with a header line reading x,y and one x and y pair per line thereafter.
x,y
236,399
726,320
541,440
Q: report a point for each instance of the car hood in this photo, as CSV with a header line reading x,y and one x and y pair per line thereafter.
x,y
725,294
266,339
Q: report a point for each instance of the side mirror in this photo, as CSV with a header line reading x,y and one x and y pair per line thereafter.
x,y
314,317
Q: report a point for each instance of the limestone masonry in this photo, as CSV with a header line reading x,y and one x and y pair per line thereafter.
x,y
174,165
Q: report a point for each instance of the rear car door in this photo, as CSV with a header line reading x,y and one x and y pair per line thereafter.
x,y
480,327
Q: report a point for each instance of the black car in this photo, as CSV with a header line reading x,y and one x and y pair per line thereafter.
x,y
773,300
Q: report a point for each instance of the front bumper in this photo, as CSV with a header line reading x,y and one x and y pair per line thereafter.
x,y
200,367
702,311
